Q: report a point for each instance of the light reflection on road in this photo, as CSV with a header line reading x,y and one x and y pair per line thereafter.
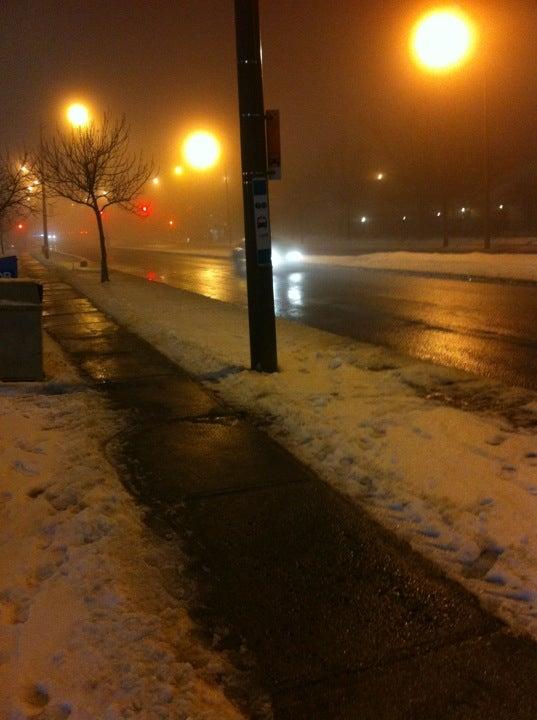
x,y
484,328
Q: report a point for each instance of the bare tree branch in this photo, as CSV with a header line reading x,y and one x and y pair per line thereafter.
x,y
94,166
15,190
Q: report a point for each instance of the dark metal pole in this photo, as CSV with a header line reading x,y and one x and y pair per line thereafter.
x,y
261,316
46,250
486,165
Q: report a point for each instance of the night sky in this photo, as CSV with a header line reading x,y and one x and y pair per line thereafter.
x,y
351,100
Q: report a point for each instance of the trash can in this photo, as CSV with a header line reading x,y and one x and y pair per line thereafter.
x,y
8,266
21,342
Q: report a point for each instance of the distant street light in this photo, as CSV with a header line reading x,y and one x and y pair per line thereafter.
x,y
201,150
380,176
78,115
178,170
443,39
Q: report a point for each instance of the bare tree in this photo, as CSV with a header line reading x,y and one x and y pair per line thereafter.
x,y
94,166
15,197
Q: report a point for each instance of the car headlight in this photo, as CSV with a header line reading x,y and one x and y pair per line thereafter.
x,y
294,256
277,257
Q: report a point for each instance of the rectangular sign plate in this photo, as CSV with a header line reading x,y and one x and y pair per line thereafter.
x,y
274,151
262,220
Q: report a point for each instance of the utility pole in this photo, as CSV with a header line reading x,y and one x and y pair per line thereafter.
x,y
228,212
263,353
486,164
46,250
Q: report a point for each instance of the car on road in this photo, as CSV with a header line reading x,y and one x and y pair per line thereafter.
x,y
283,258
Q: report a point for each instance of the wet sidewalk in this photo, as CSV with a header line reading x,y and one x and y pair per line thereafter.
x,y
344,620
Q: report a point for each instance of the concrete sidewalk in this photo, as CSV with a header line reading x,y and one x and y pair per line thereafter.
x,y
345,621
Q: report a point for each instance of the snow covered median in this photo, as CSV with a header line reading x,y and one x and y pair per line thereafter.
x,y
448,461
506,266
88,630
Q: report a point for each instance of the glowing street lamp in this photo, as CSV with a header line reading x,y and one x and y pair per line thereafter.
x,y
178,170
78,115
201,150
443,39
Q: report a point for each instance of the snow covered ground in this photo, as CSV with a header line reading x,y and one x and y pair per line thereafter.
x,y
88,630
508,266
446,460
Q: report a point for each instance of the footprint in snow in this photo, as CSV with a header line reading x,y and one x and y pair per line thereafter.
x,y
429,532
496,578
34,449
421,433
397,506
25,468
521,595
496,440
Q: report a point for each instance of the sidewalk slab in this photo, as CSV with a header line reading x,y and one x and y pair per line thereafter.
x,y
317,588
198,458
55,306
60,328
124,367
483,678
166,398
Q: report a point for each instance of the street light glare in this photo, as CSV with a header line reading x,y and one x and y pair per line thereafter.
x,y
443,39
78,115
178,170
201,150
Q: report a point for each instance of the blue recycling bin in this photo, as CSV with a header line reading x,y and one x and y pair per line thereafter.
x,y
9,267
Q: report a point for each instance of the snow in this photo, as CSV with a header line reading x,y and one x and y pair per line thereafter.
x,y
409,441
88,629
507,266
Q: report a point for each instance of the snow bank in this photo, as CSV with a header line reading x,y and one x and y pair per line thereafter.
x,y
408,440
508,266
88,630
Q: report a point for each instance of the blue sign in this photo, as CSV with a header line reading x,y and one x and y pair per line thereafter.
x,y
8,267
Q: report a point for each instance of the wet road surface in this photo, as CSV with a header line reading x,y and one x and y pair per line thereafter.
x,y
486,328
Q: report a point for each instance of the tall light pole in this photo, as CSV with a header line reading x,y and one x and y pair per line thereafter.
x,y
228,211
78,116
442,41
487,232
46,248
261,316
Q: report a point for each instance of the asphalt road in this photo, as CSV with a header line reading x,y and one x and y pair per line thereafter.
x,y
486,328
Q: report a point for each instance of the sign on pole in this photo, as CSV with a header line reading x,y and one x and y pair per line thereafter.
x,y
274,150
262,220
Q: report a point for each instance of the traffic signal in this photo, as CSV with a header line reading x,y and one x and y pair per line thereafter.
x,y
144,208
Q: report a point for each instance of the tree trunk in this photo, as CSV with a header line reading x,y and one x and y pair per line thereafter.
x,y
2,250
102,242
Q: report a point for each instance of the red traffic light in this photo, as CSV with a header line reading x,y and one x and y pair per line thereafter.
x,y
144,209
